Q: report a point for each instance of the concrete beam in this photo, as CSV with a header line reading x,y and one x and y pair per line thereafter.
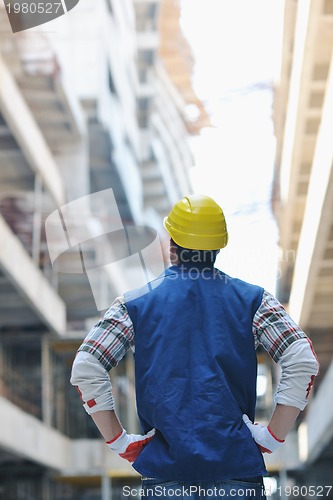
x,y
293,137
317,217
71,106
153,188
40,96
27,134
307,17
92,457
147,1
145,90
30,281
147,40
27,437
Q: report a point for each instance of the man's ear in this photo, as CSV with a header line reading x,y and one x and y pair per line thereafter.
x,y
173,252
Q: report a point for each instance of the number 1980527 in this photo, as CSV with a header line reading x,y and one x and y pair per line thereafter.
x,y
33,8
305,491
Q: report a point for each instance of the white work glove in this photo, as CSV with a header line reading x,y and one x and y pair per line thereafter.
x,y
129,446
263,436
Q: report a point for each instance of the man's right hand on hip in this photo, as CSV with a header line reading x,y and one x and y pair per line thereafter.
x,y
263,436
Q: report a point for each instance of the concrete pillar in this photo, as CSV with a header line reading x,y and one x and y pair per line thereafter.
x,y
106,487
283,482
47,393
46,487
132,420
73,163
37,220
2,370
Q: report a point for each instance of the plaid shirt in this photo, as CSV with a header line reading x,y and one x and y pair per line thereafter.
x,y
273,328
114,335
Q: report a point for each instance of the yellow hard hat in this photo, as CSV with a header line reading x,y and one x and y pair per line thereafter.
x,y
197,222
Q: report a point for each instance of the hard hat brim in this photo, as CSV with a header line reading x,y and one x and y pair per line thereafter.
x,y
196,241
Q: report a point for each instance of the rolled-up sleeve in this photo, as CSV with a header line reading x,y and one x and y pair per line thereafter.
x,y
299,368
92,382
288,346
102,349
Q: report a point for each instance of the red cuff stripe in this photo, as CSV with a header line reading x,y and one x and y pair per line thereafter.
x,y
80,393
314,353
115,438
263,449
310,386
276,438
91,403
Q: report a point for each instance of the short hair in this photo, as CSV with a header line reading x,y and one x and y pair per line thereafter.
x,y
186,255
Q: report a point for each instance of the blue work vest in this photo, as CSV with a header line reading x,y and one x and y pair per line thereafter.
x,y
195,369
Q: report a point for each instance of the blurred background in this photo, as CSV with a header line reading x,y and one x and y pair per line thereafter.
x,y
156,99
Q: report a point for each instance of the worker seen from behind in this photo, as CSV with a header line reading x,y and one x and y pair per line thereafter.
x,y
195,335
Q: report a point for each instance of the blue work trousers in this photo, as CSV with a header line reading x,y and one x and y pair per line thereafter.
x,y
243,489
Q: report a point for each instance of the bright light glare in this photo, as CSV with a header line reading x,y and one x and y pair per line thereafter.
x,y
270,484
303,444
236,47
261,385
235,42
